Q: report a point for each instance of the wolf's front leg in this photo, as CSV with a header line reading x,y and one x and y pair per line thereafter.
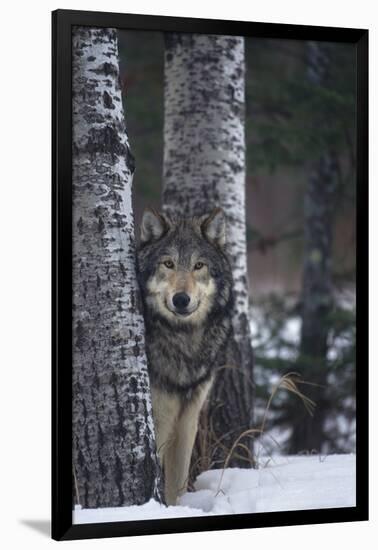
x,y
179,451
177,457
165,409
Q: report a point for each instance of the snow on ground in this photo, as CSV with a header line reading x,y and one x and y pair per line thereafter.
x,y
285,483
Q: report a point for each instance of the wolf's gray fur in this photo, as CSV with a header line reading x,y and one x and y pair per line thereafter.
x,y
186,285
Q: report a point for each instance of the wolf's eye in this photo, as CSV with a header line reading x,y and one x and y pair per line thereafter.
x,y
169,264
198,265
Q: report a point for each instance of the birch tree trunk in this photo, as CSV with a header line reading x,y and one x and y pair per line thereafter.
x,y
204,167
114,458
317,299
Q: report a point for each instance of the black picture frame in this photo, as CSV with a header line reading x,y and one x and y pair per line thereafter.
x,y
62,527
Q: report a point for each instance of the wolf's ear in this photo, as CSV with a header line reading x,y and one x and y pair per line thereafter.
x,y
153,226
214,227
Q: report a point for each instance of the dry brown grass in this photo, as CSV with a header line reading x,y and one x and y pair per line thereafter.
x,y
209,445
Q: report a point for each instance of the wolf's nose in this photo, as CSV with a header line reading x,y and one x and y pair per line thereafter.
x,y
181,300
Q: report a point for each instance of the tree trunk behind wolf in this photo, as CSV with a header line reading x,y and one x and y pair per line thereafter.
x,y
204,166
317,299
114,458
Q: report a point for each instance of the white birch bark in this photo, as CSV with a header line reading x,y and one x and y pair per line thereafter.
x,y
114,458
204,167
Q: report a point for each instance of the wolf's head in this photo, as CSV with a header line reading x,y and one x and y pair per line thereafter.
x,y
183,269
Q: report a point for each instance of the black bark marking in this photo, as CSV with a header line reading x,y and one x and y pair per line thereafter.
x,y
108,102
105,140
130,160
106,69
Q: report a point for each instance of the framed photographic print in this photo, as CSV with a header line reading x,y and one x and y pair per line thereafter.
x,y
210,241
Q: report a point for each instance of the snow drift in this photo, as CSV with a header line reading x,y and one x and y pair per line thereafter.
x,y
284,483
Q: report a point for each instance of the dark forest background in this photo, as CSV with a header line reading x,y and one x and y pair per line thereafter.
x,y
282,110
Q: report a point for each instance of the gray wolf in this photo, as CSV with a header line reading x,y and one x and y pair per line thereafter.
x,y
186,285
